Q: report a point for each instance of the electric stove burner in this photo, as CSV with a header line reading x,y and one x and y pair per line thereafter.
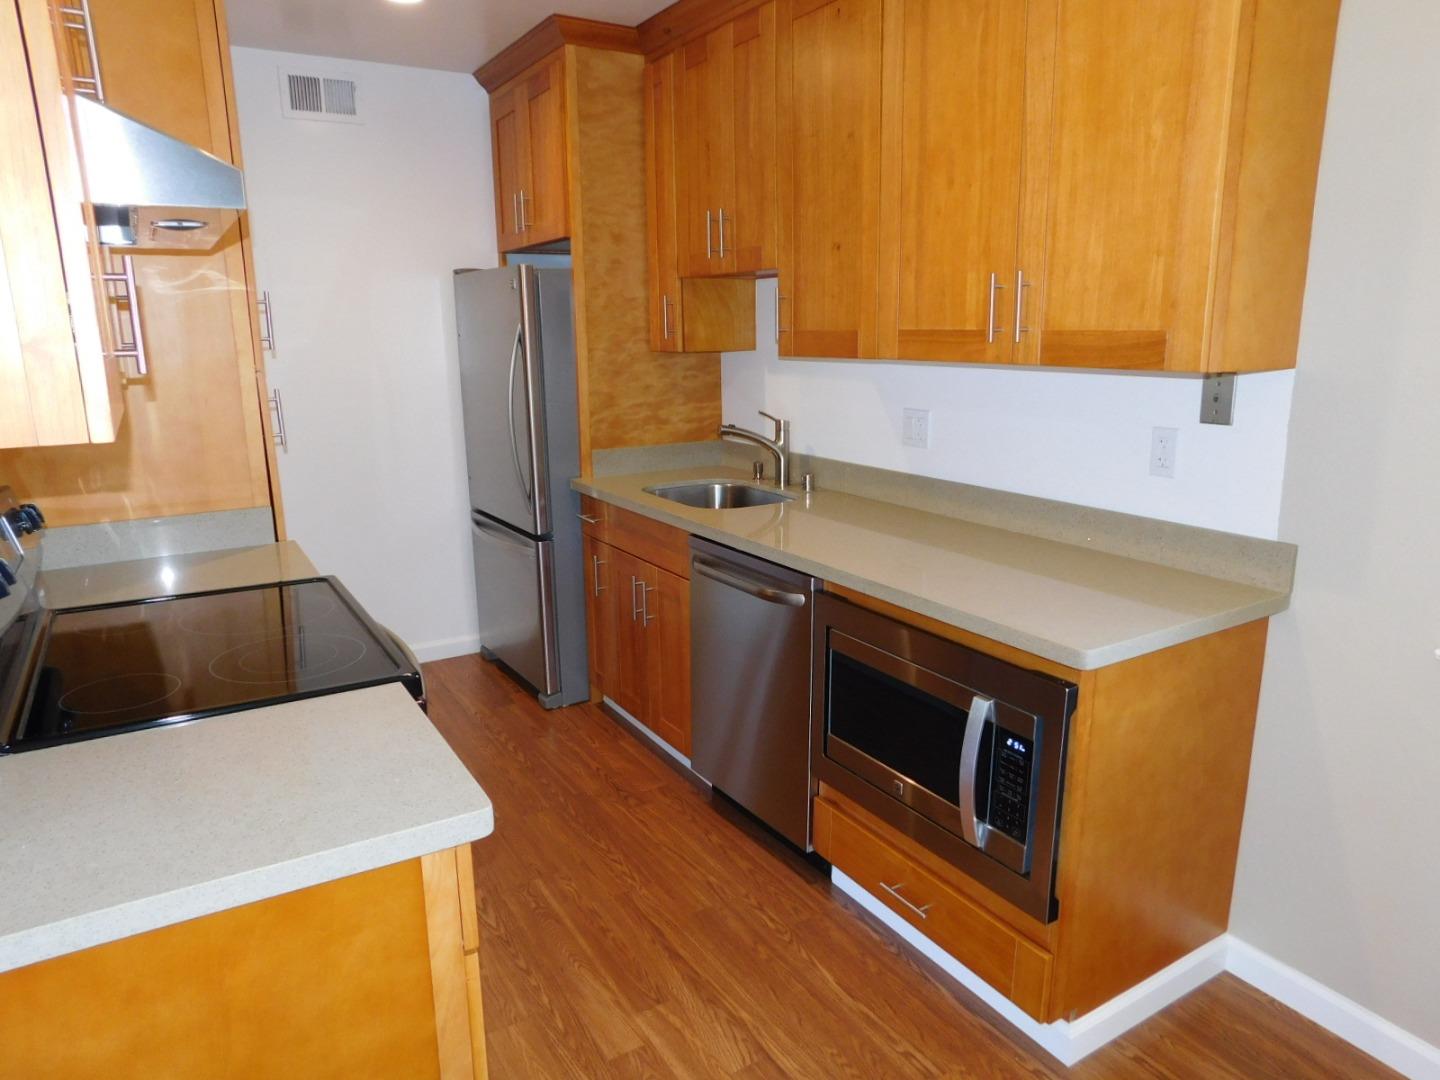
x,y
123,667
288,657
119,693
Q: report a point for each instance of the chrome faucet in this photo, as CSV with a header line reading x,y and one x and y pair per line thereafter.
x,y
779,445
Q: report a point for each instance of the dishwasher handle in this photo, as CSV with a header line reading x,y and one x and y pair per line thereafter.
x,y
725,576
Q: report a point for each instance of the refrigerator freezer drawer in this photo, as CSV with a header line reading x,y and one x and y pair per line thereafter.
x,y
515,593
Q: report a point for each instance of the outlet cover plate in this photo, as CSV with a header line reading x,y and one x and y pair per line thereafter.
x,y
915,428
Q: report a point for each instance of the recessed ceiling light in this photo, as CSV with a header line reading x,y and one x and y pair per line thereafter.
x,y
407,3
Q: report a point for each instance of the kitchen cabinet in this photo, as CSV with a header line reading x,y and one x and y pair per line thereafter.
x,y
196,435
950,211
527,129
829,102
60,375
625,366
377,974
699,314
725,147
638,618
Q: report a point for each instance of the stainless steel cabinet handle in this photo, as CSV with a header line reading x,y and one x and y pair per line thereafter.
x,y
515,210
1020,286
982,712
990,328
524,220
894,890
120,290
277,407
708,253
722,232
645,591
634,602
589,519
751,588
76,17
595,563
267,322
665,316
779,329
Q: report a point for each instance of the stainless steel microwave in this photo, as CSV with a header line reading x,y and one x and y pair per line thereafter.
x,y
961,751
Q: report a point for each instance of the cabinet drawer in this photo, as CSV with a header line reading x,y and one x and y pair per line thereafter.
x,y
989,948
593,517
660,545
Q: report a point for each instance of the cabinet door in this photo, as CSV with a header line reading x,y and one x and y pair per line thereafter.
x,y
602,614
750,216
507,140
544,199
705,141
954,121
829,59
662,248
1120,220
633,675
667,603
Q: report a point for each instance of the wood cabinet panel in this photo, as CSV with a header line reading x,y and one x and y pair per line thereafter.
x,y
954,134
602,613
829,97
705,143
635,662
662,252
750,214
545,201
1121,254
669,606
507,140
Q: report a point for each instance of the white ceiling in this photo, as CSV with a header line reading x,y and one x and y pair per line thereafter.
x,y
452,35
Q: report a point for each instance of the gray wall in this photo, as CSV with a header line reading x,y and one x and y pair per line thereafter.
x,y
1340,861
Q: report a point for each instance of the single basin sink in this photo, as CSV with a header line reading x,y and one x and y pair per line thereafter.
x,y
719,495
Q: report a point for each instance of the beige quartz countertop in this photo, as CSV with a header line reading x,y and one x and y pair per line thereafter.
x,y
116,836
1070,604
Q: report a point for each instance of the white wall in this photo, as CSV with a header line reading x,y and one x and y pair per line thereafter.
x,y
1076,436
1340,862
357,227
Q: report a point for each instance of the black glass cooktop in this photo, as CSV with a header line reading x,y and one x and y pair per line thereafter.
x,y
122,667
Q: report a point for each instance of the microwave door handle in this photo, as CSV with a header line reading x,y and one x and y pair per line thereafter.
x,y
982,712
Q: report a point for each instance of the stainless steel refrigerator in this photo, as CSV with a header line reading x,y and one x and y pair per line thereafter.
x,y
522,447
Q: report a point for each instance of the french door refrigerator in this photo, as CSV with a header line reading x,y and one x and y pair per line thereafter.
x,y
522,448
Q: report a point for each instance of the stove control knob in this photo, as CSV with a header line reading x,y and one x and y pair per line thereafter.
x,y
31,513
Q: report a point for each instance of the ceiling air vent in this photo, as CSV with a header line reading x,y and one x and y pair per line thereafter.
x,y
304,96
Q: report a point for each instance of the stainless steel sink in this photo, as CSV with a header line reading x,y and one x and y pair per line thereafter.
x,y
719,495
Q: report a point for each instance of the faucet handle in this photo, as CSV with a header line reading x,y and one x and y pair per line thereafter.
x,y
779,424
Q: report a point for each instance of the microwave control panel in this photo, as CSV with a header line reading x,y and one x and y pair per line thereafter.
x,y
1012,765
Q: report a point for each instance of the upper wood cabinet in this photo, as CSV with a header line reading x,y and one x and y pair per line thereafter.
x,y
662,254
1098,183
950,204
725,147
60,378
829,107
527,137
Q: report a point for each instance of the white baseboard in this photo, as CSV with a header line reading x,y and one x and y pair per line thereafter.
x,y
444,648
1405,1053
1066,1041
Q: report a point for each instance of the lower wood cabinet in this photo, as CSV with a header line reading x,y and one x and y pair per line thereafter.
x,y
377,974
638,619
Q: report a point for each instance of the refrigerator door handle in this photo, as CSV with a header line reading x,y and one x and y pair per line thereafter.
x,y
533,354
510,414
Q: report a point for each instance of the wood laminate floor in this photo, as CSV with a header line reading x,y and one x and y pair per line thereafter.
x,y
634,928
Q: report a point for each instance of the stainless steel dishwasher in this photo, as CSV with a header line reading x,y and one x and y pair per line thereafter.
x,y
750,683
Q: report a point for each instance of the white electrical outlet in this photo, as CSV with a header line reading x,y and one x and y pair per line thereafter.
x,y
1164,449
915,428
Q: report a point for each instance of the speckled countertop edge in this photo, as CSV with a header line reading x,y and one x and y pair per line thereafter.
x,y
626,491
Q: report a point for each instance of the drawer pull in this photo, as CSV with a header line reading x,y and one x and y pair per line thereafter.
x,y
894,890
589,519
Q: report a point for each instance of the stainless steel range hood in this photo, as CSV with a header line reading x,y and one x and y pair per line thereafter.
x,y
150,189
